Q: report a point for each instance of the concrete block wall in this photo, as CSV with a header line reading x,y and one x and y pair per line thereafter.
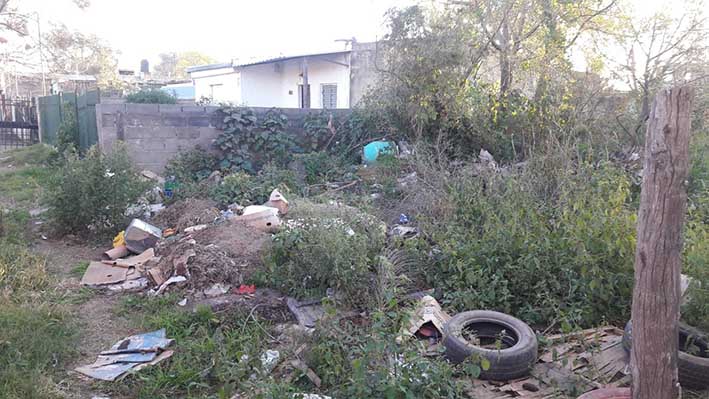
x,y
155,133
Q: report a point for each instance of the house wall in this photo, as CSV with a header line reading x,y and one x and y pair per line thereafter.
x,y
363,70
155,133
229,81
276,84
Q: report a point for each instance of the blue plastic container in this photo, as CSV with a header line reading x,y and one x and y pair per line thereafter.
x,y
372,150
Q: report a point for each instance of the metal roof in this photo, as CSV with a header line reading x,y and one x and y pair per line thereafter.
x,y
266,61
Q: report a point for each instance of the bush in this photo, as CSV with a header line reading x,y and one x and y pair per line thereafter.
x,y
68,133
192,165
151,96
245,189
91,195
548,253
319,251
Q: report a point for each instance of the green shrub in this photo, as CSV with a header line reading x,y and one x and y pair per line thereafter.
x,y
319,252
93,193
68,132
364,361
504,244
192,165
151,96
320,167
245,189
37,340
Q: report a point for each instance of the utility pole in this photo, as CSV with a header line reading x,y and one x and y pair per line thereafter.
x,y
41,55
663,202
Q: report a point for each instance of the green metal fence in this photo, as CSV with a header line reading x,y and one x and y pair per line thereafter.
x,y
52,112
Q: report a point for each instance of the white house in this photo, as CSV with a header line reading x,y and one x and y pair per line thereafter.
x,y
323,80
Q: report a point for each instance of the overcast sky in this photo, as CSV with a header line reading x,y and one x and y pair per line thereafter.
x,y
223,29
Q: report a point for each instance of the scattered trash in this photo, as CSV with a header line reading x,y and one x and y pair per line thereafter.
x,y
407,180
132,261
216,290
131,353
38,211
130,285
183,302
278,201
115,253
403,219
307,313
261,217
403,231
426,321
167,283
198,227
170,186
169,232
309,396
269,360
44,237
119,240
373,150
99,273
140,236
245,289
152,176
300,365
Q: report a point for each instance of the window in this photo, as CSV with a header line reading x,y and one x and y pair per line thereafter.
x,y
329,96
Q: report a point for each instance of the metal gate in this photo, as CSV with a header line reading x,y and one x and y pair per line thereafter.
x,y
18,123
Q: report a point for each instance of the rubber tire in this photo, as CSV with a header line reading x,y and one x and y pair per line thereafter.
x,y
505,364
607,393
693,370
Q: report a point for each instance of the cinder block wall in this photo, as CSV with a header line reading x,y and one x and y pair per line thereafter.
x,y
154,133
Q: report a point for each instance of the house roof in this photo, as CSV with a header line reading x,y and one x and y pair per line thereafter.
x,y
209,67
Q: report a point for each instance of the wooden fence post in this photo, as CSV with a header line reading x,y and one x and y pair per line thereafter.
x,y
663,201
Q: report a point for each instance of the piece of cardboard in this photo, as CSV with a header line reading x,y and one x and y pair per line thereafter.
x,y
99,273
133,261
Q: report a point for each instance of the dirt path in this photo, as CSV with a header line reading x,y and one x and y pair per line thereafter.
x,y
99,326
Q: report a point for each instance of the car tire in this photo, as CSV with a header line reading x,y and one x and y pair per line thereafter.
x,y
693,370
513,361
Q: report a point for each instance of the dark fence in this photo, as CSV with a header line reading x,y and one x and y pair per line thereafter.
x,y
52,110
18,123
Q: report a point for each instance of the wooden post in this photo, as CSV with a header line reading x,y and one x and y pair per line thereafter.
x,y
663,201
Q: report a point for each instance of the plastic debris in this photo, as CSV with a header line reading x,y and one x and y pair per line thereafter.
x,y
169,232
278,201
403,231
183,302
216,290
245,289
193,229
140,236
119,240
167,283
269,360
373,150
403,219
428,316
131,353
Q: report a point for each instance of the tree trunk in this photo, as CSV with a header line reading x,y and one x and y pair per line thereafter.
x,y
663,200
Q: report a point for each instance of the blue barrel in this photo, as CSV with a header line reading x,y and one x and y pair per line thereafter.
x,y
372,150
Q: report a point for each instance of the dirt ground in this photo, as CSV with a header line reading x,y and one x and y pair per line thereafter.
x,y
99,325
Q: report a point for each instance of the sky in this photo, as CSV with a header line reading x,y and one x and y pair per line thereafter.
x,y
223,29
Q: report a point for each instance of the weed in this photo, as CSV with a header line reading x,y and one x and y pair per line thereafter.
x,y
34,155
21,271
216,352
79,269
23,186
92,194
13,226
36,342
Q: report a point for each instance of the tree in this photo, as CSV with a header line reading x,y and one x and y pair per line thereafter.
x,y
173,66
659,50
71,52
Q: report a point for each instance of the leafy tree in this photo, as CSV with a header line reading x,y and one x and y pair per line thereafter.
x,y
152,96
73,52
174,65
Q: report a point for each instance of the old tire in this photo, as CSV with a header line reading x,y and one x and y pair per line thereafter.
x,y
693,369
514,360
607,393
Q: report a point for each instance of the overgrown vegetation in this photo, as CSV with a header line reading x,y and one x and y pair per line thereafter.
x,y
91,194
151,96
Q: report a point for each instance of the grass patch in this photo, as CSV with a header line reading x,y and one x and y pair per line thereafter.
x,y
215,353
35,342
79,269
13,226
21,271
38,154
23,187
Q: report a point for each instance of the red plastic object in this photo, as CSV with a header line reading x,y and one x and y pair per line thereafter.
x,y
245,289
607,393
